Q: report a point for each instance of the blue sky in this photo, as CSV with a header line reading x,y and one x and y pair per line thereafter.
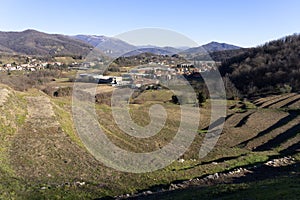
x,y
241,22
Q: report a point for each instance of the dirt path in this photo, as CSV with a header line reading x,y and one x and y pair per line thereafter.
x,y
40,112
3,95
42,152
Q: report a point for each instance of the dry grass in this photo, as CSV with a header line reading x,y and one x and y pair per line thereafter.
x,y
4,93
39,146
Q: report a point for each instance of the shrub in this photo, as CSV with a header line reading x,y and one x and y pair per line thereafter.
x,y
60,92
201,98
175,99
104,98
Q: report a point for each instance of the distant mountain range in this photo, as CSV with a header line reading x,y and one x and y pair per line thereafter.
x,y
110,46
32,42
116,47
210,51
211,47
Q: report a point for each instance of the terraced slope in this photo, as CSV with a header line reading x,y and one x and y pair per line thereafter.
x,y
38,152
271,129
42,157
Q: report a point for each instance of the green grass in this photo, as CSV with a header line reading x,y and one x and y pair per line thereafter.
x,y
65,119
13,115
249,159
249,105
203,131
241,106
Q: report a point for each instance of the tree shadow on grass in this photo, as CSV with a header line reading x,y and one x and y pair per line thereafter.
x,y
290,133
280,100
290,103
243,121
292,115
291,149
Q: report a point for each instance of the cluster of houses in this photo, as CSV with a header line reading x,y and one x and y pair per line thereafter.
x,y
195,67
151,74
33,65
147,76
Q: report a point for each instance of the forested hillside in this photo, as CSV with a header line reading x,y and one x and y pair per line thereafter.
x,y
268,69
